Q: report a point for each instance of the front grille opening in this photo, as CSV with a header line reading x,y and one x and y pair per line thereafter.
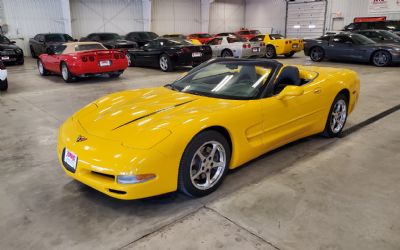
x,y
117,191
105,175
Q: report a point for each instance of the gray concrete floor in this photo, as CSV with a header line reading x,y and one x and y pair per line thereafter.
x,y
315,193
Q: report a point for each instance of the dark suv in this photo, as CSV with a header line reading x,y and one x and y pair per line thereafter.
x,y
392,25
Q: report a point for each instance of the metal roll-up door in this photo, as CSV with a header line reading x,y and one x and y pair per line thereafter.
x,y
226,16
305,19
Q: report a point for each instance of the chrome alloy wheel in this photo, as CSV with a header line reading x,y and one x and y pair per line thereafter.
x,y
381,58
128,57
208,165
339,115
64,71
270,52
40,66
163,63
316,54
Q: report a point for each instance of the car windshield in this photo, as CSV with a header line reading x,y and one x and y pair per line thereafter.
x,y
229,79
276,36
85,47
58,38
389,35
204,35
235,39
109,37
360,39
4,39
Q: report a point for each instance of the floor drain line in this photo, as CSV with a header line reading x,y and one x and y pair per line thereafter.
x,y
369,121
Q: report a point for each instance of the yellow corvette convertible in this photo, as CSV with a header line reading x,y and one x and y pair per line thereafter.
x,y
186,135
279,45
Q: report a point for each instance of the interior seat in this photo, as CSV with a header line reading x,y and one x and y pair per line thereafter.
x,y
289,75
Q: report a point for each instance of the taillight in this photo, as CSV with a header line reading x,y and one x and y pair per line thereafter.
x,y
246,46
91,58
262,44
84,59
116,56
290,41
185,49
286,42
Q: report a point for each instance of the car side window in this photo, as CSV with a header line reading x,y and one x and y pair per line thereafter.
x,y
215,41
257,39
41,38
342,39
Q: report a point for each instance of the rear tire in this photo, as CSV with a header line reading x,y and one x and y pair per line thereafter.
x,y
381,58
4,85
271,52
204,164
337,117
227,53
165,63
66,74
290,54
41,68
317,54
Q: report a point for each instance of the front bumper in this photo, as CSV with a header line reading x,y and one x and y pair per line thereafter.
x,y
9,57
395,56
100,161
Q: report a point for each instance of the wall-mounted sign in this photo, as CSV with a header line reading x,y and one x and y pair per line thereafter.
x,y
383,6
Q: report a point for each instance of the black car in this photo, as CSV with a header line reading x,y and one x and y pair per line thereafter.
x,y
9,52
380,36
110,41
167,53
352,47
141,37
39,44
392,25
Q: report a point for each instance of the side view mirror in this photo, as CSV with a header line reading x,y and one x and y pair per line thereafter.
x,y
290,91
13,42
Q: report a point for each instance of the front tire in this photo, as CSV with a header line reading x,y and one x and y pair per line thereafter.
x,y
129,57
271,52
317,54
4,85
165,63
41,68
66,74
381,58
337,117
204,164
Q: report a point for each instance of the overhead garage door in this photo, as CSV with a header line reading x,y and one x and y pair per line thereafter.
x,y
226,15
305,19
175,16
119,16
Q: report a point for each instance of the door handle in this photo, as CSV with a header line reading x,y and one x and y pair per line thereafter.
x,y
317,91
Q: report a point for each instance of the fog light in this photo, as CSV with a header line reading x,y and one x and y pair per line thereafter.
x,y
133,179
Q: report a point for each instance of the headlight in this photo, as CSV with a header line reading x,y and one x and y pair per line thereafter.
x,y
19,51
133,179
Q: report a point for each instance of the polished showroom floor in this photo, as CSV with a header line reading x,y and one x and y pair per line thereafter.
x,y
316,193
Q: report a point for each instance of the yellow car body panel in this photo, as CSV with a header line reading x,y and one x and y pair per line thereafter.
x,y
284,46
146,131
195,42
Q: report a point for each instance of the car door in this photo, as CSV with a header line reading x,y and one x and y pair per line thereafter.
x,y
293,117
341,47
215,45
53,61
149,54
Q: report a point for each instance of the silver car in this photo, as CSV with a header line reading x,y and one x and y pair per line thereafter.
x,y
233,46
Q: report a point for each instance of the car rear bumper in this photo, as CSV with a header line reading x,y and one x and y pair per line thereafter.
x,y
189,60
249,53
93,68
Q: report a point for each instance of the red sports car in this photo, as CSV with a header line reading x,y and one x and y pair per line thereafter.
x,y
202,37
82,59
248,34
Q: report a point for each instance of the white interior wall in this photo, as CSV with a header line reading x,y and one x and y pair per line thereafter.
x,y
266,16
350,9
226,15
25,19
119,16
176,16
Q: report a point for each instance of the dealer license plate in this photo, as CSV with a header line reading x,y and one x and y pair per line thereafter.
x,y
5,58
70,158
295,46
105,63
196,54
256,49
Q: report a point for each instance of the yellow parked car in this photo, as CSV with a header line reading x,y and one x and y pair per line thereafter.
x,y
187,134
182,37
279,45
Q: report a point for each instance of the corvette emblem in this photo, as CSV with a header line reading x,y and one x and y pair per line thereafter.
x,y
81,138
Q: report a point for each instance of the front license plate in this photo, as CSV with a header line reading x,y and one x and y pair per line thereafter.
x,y
256,49
70,158
5,58
196,54
295,46
105,63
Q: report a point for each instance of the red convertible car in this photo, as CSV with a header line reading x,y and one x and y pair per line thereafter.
x,y
82,59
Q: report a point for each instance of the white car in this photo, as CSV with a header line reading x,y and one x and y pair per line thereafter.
x,y
3,77
233,46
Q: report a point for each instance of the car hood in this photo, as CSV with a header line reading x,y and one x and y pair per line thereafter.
x,y
8,46
146,113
